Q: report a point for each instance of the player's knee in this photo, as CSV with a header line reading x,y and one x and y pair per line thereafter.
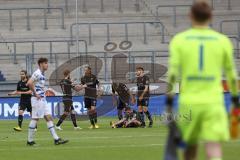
x,y
93,108
73,112
213,150
48,118
20,112
145,109
66,113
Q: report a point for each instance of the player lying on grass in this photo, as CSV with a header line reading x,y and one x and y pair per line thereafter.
x,y
124,97
131,119
40,109
25,98
67,86
200,56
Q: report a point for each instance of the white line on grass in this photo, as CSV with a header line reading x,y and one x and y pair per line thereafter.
x,y
83,147
88,137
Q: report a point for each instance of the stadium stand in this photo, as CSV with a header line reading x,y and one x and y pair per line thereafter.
x,y
28,33
2,78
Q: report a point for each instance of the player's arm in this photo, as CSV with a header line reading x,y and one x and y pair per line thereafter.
x,y
231,73
30,84
83,84
114,96
98,88
174,68
19,92
132,97
113,91
145,89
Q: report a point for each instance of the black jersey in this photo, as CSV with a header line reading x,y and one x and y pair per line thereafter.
x,y
133,114
141,83
22,87
91,81
66,86
123,92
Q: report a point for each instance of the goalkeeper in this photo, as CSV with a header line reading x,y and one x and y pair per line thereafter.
x,y
199,56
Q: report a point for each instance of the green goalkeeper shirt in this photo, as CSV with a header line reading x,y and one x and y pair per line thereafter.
x,y
200,56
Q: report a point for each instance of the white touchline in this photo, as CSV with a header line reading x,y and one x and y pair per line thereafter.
x,y
84,147
87,137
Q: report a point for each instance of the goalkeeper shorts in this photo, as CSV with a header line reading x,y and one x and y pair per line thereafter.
x,y
206,122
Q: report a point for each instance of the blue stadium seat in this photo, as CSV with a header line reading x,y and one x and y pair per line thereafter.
x,y
2,78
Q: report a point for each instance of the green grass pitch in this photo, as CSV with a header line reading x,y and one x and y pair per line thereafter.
x,y
96,144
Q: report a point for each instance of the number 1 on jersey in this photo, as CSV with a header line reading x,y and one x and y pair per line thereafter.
x,y
201,56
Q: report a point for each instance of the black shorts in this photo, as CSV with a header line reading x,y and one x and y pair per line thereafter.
x,y
144,102
121,105
68,105
90,102
134,124
24,106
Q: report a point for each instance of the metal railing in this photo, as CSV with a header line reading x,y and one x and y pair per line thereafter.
x,y
230,21
28,24
107,65
229,4
126,28
236,49
50,42
174,8
101,5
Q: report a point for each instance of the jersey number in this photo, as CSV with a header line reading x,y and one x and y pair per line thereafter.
x,y
201,56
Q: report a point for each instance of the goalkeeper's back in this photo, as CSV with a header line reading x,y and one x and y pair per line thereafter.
x,y
201,65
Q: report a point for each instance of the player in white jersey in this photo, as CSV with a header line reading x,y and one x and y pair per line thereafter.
x,y
39,104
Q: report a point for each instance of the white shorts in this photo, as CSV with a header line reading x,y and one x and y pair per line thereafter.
x,y
40,108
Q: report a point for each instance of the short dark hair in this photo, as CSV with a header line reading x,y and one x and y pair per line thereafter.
x,y
24,71
42,60
140,68
201,11
88,67
66,72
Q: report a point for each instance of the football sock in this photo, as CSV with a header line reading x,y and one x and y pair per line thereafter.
x,y
31,132
74,121
20,120
51,128
142,118
91,117
95,116
120,116
61,119
149,116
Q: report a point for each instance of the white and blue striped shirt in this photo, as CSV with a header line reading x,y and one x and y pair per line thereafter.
x,y
39,79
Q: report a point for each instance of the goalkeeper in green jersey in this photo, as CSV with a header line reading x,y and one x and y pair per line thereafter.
x,y
199,56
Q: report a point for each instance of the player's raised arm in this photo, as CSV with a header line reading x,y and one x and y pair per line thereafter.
x,y
230,69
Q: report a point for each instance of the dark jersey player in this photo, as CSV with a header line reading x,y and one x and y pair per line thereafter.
x,y
25,99
143,95
131,119
67,87
124,97
90,83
